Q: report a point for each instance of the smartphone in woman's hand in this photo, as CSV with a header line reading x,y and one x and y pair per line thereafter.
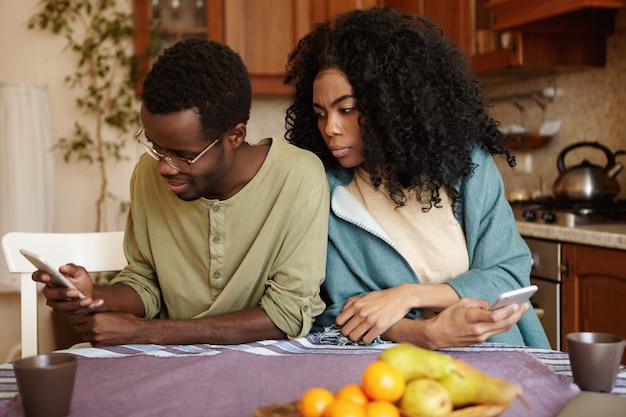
x,y
519,296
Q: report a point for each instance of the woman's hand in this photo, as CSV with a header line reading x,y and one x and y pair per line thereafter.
x,y
370,315
367,316
466,322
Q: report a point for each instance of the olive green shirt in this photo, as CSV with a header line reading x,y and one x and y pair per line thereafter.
x,y
264,246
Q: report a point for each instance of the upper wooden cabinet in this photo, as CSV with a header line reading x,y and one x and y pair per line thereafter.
x,y
262,32
545,36
161,23
510,14
454,17
502,38
511,39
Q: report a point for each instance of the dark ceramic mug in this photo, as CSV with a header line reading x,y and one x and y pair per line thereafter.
x,y
46,383
595,359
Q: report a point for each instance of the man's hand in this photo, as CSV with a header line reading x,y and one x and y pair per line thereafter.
x,y
105,329
66,300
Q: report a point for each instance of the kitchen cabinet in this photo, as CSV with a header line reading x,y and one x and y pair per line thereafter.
x,y
262,32
517,13
512,39
546,37
593,290
504,39
454,17
161,23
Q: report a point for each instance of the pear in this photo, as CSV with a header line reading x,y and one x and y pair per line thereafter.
x,y
425,398
467,385
416,362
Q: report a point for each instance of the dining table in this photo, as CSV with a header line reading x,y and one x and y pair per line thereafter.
x,y
237,380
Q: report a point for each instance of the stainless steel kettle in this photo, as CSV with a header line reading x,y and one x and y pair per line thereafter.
x,y
587,182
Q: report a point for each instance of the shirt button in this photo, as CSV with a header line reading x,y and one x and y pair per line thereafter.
x,y
215,209
305,308
216,275
216,239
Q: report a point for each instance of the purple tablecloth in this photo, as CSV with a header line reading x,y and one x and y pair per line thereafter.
x,y
232,381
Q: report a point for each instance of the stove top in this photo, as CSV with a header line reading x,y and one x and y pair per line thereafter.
x,y
570,214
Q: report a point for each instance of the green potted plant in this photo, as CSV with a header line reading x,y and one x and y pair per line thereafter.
x,y
100,34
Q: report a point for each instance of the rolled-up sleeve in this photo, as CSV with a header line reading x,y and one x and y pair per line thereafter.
x,y
292,298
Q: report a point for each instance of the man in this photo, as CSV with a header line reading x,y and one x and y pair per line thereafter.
x,y
225,240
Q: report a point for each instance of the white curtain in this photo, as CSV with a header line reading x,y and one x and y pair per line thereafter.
x,y
27,202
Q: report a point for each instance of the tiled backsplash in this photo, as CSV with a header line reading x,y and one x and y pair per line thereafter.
x,y
591,105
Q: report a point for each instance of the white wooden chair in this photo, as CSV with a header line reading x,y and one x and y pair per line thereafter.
x,y
97,252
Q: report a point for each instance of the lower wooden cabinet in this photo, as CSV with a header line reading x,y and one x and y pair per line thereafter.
x,y
593,290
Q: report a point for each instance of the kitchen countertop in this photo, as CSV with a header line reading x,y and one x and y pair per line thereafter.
x,y
603,235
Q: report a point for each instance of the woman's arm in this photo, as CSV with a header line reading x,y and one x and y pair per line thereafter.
x,y
466,322
459,322
372,314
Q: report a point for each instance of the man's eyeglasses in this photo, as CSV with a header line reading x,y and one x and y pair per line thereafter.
x,y
180,164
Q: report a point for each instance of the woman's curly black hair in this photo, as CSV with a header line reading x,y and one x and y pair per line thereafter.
x,y
421,112
204,76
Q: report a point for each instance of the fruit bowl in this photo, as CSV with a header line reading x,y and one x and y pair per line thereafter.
x,y
290,409
421,381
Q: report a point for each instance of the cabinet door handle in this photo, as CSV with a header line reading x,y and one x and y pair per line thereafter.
x,y
565,268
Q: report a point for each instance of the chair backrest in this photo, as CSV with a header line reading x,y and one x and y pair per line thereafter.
x,y
97,252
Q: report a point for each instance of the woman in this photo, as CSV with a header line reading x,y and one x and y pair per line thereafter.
x,y
421,237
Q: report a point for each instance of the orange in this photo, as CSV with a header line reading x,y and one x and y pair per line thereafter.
x,y
344,408
381,409
382,381
314,401
352,392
